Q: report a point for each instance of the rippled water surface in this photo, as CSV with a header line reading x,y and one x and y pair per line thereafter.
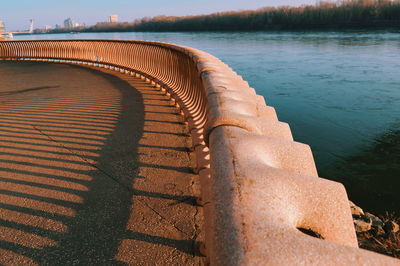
x,y
340,93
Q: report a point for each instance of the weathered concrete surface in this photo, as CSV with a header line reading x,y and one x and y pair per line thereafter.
x,y
92,171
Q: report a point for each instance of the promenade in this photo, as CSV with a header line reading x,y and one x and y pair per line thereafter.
x,y
94,170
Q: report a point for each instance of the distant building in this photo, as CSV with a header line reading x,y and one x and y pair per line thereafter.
x,y
2,27
47,27
31,26
69,23
113,18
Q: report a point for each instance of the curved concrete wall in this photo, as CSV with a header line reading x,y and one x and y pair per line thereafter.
x,y
260,189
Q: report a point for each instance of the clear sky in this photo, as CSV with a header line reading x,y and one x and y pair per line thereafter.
x,y
16,13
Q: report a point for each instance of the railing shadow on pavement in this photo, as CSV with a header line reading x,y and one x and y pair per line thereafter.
x,y
68,165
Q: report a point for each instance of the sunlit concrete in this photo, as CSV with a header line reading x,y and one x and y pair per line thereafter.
x,y
94,170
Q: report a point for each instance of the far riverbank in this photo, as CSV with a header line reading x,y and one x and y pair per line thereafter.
x,y
347,15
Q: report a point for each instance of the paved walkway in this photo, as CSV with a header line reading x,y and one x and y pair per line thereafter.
x,y
94,170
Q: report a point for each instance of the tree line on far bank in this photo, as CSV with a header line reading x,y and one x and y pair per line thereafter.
x,y
348,14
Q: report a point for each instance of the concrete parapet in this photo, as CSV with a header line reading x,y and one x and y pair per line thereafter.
x,y
261,192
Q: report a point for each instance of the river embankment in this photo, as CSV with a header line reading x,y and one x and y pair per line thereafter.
x,y
379,234
337,90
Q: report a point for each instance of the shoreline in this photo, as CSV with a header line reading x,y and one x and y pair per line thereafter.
x,y
380,234
393,29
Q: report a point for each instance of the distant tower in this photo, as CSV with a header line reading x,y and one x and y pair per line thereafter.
x,y
2,27
31,26
113,18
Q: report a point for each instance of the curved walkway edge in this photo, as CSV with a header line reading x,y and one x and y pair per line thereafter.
x,y
94,170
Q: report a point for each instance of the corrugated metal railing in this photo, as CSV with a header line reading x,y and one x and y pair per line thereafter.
x,y
260,189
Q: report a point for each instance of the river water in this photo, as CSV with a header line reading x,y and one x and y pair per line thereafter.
x,y
339,91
